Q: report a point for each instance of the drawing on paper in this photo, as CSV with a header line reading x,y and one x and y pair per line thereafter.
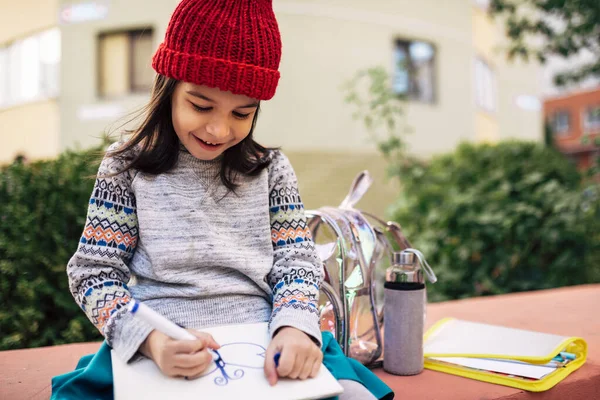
x,y
233,358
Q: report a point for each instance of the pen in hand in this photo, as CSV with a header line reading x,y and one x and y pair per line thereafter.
x,y
164,356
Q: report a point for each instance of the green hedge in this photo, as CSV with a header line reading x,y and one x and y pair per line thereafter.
x,y
501,218
491,219
42,213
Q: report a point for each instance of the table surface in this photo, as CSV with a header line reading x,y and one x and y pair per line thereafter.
x,y
572,311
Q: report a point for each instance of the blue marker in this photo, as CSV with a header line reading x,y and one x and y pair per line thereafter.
x,y
276,359
568,356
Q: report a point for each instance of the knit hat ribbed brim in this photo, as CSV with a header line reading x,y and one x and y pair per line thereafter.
x,y
233,45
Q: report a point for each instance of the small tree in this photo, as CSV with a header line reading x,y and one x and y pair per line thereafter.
x,y
382,112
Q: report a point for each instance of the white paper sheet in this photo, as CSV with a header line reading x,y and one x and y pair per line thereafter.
x,y
464,337
239,376
504,366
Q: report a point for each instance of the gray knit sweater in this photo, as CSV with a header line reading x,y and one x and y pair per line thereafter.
x,y
195,253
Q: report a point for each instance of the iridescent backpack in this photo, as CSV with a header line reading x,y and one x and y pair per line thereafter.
x,y
356,248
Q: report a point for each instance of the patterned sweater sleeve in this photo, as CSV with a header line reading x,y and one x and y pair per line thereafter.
x,y
297,269
98,271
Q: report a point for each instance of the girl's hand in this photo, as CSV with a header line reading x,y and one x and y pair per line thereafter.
x,y
180,358
300,357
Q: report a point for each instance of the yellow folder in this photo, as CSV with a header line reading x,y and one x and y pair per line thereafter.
x,y
505,356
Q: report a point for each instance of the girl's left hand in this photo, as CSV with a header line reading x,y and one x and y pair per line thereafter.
x,y
300,357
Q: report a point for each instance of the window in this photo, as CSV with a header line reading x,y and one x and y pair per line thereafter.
x,y
4,97
591,119
483,4
485,86
414,70
124,62
561,122
29,69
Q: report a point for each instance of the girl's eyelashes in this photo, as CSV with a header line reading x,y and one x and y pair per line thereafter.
x,y
240,115
207,109
201,109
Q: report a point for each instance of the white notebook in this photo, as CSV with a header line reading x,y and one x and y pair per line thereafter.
x,y
239,376
480,340
501,355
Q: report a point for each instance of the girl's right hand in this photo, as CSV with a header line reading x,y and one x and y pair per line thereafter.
x,y
180,358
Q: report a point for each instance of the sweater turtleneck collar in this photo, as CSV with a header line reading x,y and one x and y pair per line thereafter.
x,y
207,170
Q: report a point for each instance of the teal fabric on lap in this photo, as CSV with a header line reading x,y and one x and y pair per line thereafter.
x,y
342,367
93,378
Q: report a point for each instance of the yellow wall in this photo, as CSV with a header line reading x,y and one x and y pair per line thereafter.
x,y
485,40
485,35
516,79
23,17
31,130
513,80
486,128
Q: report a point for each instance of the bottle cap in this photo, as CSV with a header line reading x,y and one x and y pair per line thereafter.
x,y
403,258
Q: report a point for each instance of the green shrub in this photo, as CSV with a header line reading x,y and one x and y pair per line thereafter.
x,y
42,212
491,219
501,218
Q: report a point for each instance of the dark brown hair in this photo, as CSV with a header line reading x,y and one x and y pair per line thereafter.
x,y
154,146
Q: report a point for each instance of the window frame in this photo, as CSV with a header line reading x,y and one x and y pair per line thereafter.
x,y
553,122
4,76
410,70
586,124
131,35
487,71
45,89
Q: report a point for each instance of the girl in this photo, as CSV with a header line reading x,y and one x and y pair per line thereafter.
x,y
195,218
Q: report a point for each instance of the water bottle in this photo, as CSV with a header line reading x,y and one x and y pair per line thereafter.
x,y
404,311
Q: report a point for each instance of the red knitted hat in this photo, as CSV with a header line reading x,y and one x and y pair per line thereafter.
x,y
233,45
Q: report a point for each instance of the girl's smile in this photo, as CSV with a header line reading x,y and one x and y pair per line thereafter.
x,y
207,145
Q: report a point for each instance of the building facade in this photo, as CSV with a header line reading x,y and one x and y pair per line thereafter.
x,y
443,56
574,121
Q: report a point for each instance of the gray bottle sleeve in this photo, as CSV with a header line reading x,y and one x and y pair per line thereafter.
x,y
403,334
